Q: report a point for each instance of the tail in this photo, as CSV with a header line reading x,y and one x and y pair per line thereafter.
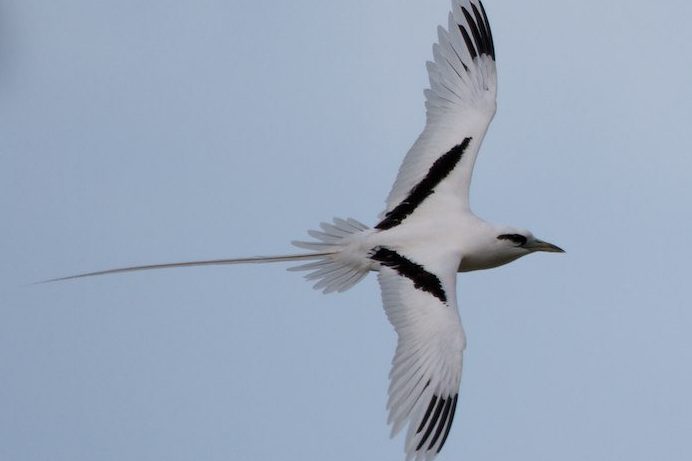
x,y
340,264
331,268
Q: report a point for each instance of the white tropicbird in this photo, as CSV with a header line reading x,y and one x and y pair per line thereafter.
x,y
425,236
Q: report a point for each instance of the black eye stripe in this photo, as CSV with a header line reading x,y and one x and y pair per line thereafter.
x,y
516,238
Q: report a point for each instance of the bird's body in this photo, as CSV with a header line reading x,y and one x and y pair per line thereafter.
x,y
426,235
463,237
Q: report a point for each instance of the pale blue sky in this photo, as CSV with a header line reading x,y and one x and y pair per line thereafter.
x,y
136,132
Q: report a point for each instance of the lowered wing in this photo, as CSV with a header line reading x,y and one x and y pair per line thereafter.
x,y
420,302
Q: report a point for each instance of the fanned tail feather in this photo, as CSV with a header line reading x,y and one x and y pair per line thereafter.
x,y
337,269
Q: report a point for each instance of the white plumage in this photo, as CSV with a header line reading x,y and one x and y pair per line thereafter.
x,y
426,235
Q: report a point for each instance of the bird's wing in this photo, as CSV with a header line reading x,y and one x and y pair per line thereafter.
x,y
460,105
420,302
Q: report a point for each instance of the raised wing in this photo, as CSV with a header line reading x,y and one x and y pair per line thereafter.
x,y
460,105
420,302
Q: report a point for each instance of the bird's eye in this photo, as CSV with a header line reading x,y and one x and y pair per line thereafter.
x,y
516,238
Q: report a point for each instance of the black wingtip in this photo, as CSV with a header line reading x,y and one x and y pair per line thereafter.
x,y
476,32
487,28
449,422
438,417
433,422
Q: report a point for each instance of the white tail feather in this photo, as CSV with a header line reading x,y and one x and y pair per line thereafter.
x,y
337,269
211,262
332,267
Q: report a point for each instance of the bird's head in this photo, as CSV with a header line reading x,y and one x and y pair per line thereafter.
x,y
503,245
522,242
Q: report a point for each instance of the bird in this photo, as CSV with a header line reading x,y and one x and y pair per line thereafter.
x,y
424,237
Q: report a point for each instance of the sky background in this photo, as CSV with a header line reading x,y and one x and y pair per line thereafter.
x,y
137,132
